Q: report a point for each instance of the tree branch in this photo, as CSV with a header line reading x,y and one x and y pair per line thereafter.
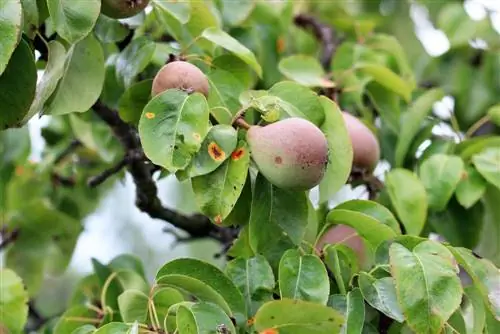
x,y
75,143
197,226
98,179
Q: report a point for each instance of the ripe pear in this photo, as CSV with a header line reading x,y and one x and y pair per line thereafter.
x,y
343,234
181,75
365,146
291,153
121,9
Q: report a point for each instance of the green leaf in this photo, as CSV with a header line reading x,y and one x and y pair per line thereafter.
x,y
203,318
133,101
478,313
471,188
340,154
179,10
440,175
427,284
301,98
163,299
367,227
484,274
82,81
355,312
489,245
278,219
488,165
172,127
223,99
342,262
381,295
303,277
206,282
216,193
85,329
387,78
305,70
226,41
254,278
494,114
237,67
109,30
134,59
117,328
133,305
241,246
468,148
409,199
240,214
74,318
17,84
234,13
414,116
374,210
74,19
297,317
11,14
51,76
13,301
128,262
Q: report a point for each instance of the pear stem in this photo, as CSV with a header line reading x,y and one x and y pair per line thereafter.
x,y
241,123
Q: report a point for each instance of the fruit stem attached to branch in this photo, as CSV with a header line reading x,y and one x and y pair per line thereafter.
x,y
241,123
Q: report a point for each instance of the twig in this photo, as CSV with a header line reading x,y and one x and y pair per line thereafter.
x,y
98,179
147,200
75,143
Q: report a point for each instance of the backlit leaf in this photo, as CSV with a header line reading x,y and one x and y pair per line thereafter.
x,y
305,70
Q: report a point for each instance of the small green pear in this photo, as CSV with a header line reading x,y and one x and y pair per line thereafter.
x,y
291,153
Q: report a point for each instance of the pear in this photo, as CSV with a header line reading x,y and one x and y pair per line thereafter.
x,y
180,75
121,9
365,146
291,153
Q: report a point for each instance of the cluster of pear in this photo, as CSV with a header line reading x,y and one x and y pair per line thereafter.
x,y
121,9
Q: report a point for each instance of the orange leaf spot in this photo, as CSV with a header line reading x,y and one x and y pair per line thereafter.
x,y
216,152
269,331
250,321
19,170
218,219
150,115
236,155
280,45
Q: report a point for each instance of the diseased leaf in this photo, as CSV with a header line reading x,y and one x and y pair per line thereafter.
x,y
409,199
133,101
172,127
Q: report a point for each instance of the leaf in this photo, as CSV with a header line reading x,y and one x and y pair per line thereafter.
x,y
381,295
342,262
11,14
109,30
216,193
13,302
179,10
340,154
240,214
206,282
74,318
355,312
202,317
478,313
82,81
278,219
51,76
494,114
305,70
296,317
163,299
234,13
223,99
237,67
85,329
116,328
440,175
468,148
387,78
303,277
415,114
172,127
301,98
226,41
484,274
128,262
134,59
133,306
17,85
489,245
471,188
374,210
427,284
409,199
254,278
74,19
367,227
133,101
488,165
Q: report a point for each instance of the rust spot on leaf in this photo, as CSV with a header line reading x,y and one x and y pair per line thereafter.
x,y
150,115
280,45
269,331
216,152
19,170
464,175
236,155
196,136
250,321
278,160
218,219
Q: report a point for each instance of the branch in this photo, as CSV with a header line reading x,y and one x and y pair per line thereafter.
x,y
75,143
197,226
98,179
323,33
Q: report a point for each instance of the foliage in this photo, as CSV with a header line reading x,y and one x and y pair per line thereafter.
x,y
264,62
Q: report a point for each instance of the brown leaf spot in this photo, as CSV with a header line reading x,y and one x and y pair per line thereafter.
x,y
196,136
278,160
216,152
150,115
19,170
218,219
280,45
464,175
269,331
250,321
236,155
